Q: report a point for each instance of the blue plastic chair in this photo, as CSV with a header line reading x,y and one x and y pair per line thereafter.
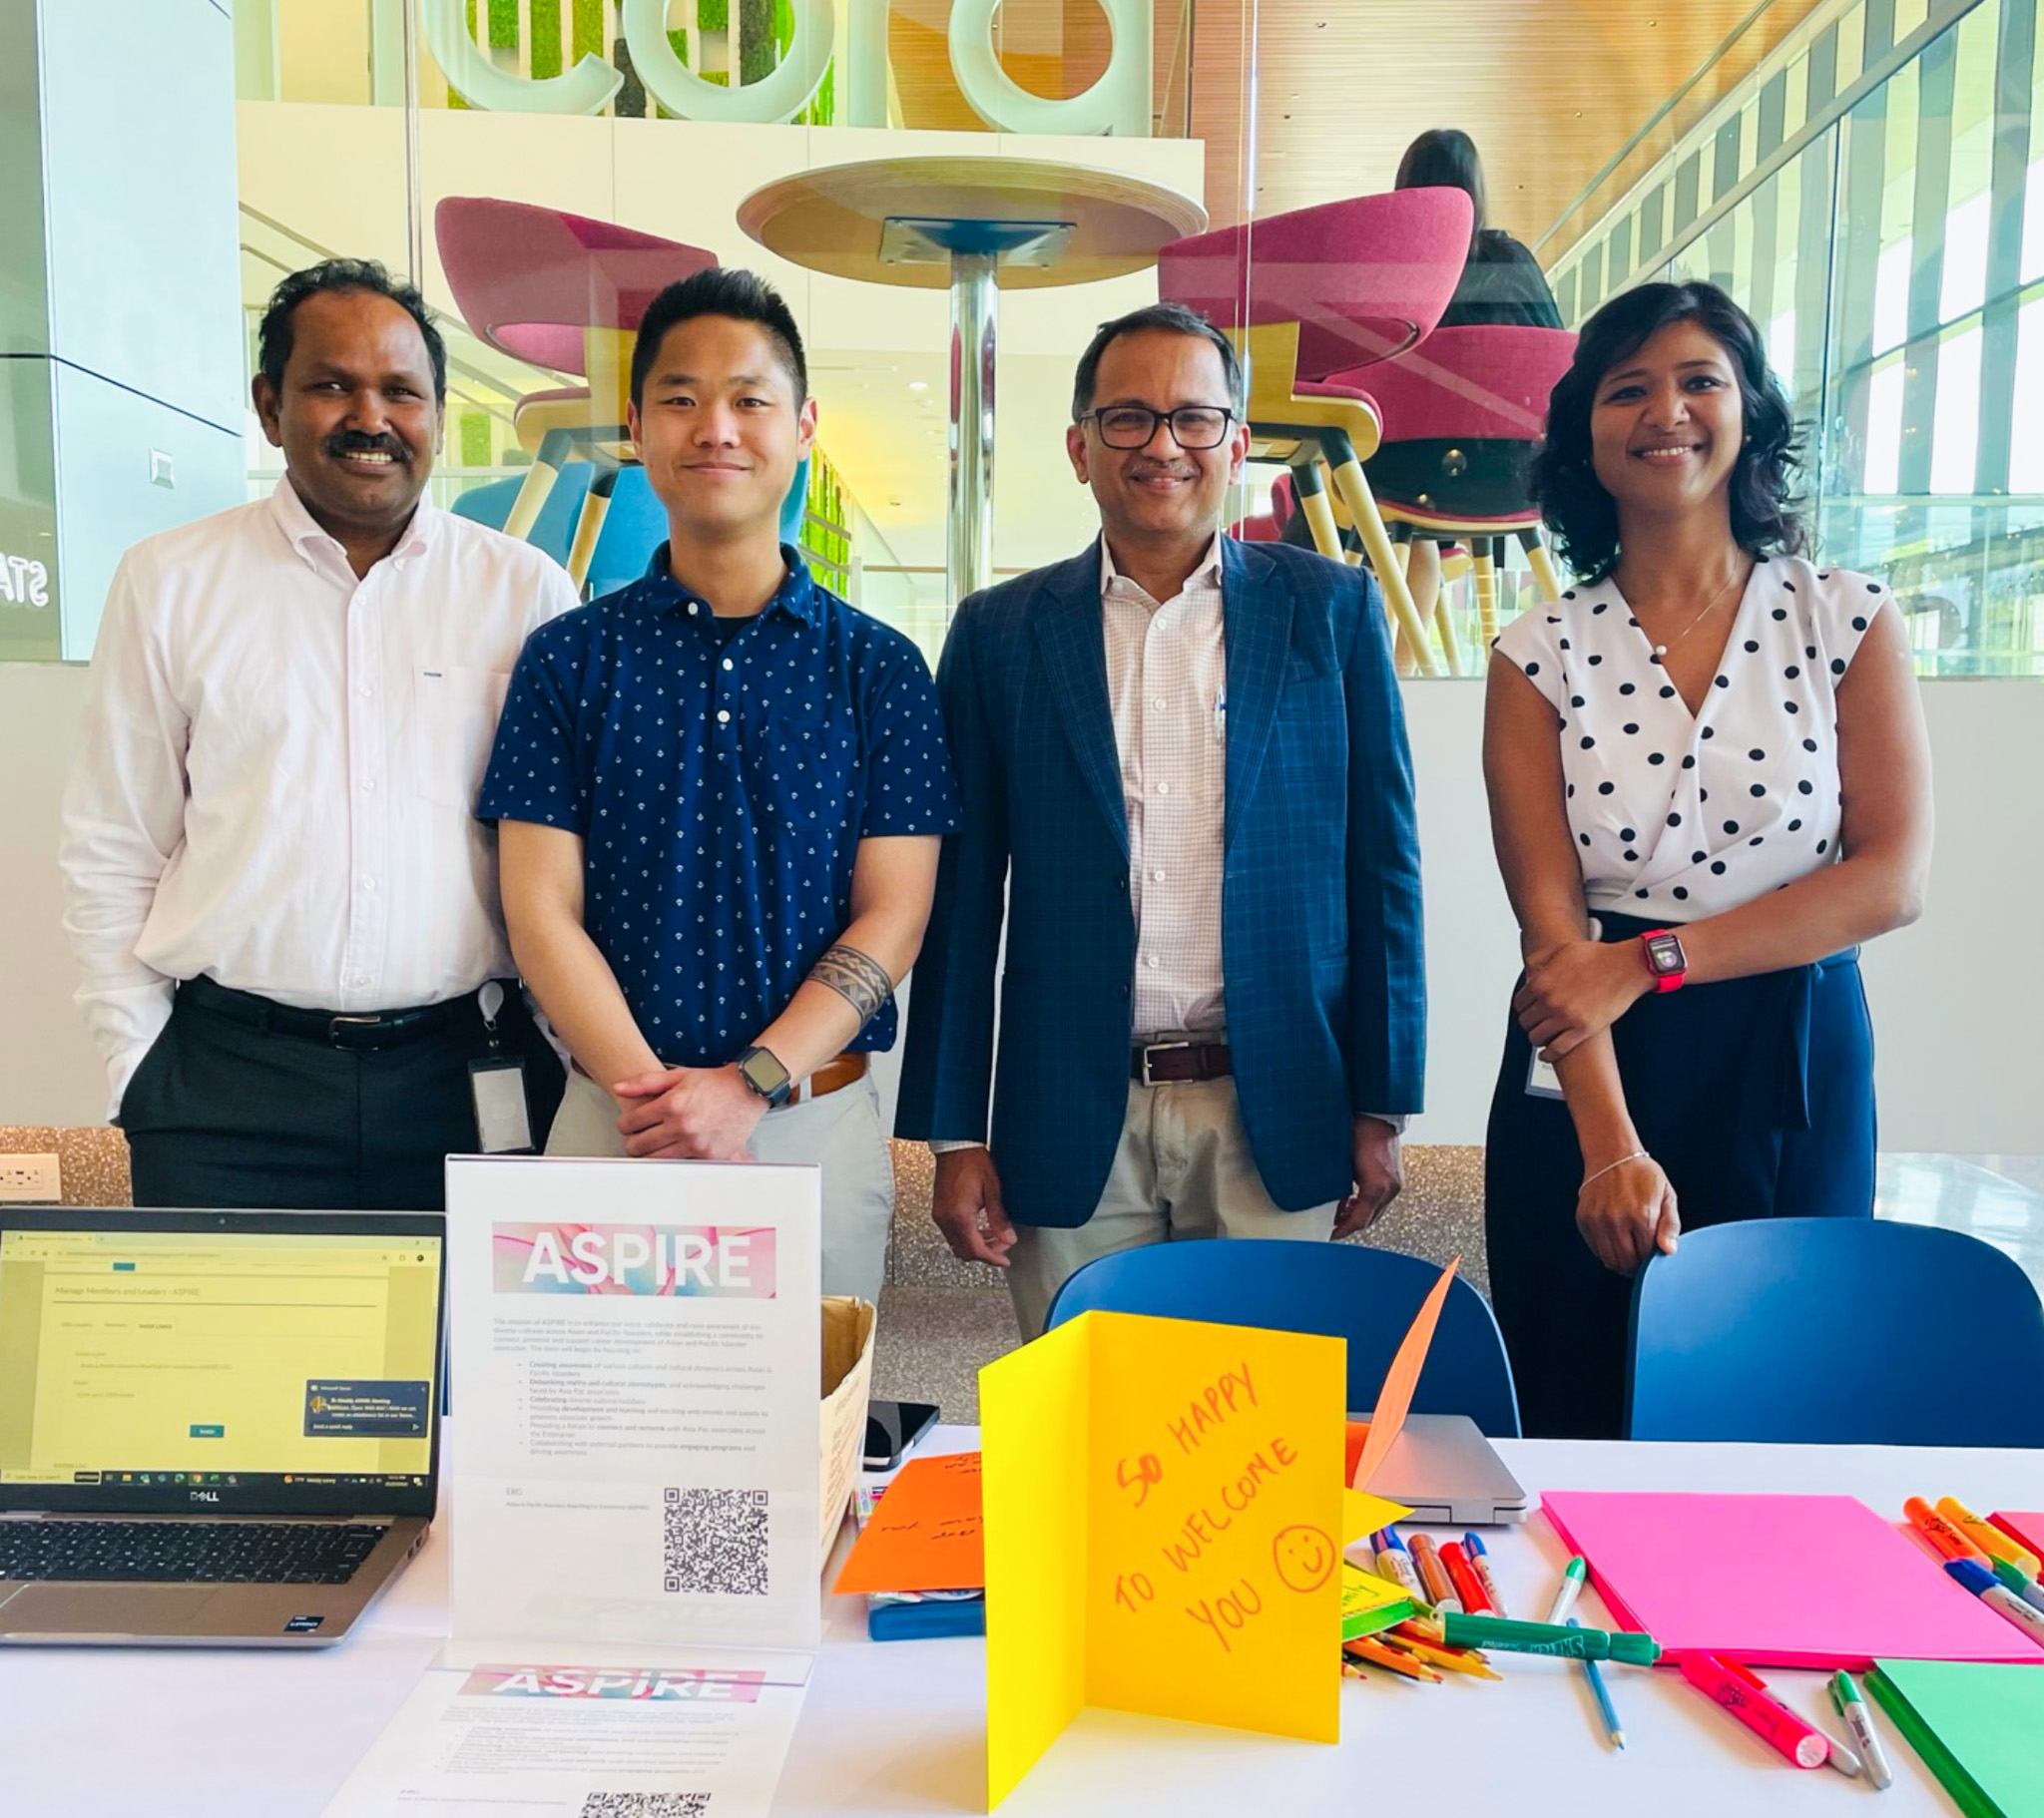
x,y
634,528
1836,1331
1342,1290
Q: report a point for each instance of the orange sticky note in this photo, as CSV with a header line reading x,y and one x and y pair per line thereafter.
x,y
925,1532
1395,1399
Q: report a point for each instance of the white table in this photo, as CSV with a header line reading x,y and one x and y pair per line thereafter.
x,y
898,1728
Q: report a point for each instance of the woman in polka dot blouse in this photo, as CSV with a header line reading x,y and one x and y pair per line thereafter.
x,y
1708,738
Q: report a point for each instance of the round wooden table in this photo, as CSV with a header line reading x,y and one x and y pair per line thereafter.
x,y
973,225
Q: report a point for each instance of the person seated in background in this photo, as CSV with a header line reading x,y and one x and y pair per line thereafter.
x,y
1501,284
1708,783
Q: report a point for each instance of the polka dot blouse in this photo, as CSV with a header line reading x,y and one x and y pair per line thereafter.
x,y
1676,817
722,778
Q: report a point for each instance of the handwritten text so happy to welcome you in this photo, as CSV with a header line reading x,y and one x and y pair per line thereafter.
x,y
1201,1487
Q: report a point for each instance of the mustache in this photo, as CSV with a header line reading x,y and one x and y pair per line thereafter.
x,y
1150,470
352,441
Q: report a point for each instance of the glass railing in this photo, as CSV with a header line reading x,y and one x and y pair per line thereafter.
x,y
1873,193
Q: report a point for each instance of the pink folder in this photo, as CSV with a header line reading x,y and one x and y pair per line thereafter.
x,y
2024,1529
1775,1581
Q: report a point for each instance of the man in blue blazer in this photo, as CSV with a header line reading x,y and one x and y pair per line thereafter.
x,y
1189,798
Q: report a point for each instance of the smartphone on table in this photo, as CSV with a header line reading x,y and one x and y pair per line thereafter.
x,y
892,1429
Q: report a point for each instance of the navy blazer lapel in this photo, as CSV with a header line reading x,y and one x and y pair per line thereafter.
x,y
1258,626
1073,639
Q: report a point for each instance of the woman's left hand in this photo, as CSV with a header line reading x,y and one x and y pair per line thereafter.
x,y
1578,990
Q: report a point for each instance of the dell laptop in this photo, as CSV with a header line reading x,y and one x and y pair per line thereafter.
x,y
216,1428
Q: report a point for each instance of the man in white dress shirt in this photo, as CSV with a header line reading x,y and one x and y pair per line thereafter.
x,y
287,921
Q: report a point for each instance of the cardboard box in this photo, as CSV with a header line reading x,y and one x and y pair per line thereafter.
x,y
847,1379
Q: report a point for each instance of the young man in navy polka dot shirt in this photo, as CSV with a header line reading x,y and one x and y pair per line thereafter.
x,y
720,791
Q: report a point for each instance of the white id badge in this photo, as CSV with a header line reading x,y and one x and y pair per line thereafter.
x,y
1542,1082
503,1126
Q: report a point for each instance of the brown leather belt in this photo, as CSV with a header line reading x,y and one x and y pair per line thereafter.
x,y
833,1075
1174,1062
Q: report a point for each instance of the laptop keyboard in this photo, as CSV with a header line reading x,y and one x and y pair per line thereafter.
x,y
187,1552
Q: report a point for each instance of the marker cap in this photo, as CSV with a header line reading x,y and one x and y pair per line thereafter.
x,y
1971,1574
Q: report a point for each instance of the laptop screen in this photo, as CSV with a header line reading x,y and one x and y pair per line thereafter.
x,y
220,1361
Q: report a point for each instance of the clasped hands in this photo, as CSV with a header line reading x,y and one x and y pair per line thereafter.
x,y
1576,989
689,1114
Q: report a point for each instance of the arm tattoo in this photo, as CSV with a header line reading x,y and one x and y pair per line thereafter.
x,y
861,982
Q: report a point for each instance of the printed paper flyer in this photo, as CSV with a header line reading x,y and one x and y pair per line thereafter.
x,y
537,1737
637,1353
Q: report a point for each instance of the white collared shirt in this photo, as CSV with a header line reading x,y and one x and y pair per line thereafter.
x,y
1167,687
279,765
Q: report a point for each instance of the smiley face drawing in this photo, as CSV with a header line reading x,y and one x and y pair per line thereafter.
x,y
1304,1556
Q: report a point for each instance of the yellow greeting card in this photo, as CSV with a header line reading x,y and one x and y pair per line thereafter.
x,y
1163,1525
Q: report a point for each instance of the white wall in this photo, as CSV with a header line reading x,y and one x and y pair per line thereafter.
x,y
1956,999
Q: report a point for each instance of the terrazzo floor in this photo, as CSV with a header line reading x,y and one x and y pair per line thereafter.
x,y
936,1329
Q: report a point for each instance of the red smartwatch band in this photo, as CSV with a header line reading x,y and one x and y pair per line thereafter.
x,y
1666,977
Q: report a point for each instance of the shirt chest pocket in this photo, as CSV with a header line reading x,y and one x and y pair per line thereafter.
x,y
454,722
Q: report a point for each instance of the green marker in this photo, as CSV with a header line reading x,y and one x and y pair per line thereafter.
x,y
2016,1580
1548,1638
1853,1709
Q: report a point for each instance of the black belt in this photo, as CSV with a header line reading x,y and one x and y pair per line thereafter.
x,y
342,1028
1173,1063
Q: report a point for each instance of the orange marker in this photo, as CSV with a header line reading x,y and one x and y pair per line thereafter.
x,y
1985,1536
1941,1533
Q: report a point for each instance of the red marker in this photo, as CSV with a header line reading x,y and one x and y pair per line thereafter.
x,y
1729,1684
1468,1587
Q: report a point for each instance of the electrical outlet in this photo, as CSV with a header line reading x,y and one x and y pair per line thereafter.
x,y
33,1179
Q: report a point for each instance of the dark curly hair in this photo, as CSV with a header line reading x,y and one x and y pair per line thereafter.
x,y
1765,516
274,338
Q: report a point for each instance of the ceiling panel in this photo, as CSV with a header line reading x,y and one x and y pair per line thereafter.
x,y
1550,90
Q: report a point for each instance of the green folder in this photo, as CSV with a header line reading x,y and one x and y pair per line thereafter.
x,y
1369,1603
1979,1729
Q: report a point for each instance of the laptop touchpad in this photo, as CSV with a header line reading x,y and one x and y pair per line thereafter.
x,y
103,1609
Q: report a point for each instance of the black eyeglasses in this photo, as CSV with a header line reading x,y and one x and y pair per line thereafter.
x,y
1193,426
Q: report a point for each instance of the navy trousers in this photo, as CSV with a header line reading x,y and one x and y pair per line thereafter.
x,y
1755,1095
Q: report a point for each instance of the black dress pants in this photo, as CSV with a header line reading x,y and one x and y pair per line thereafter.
x,y
229,1110
1756,1094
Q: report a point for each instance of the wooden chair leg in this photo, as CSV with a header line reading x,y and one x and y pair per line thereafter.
x,y
1424,576
538,484
589,526
1311,493
1404,658
1542,563
1485,572
1376,541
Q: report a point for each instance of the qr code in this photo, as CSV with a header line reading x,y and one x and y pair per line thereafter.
x,y
716,1541
645,1805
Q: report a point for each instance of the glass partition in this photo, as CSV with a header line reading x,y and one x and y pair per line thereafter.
x,y
376,131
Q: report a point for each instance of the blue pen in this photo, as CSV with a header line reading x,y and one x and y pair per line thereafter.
x,y
1479,1562
1603,1692
1395,1564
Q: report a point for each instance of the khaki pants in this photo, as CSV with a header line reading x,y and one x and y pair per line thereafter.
x,y
838,1131
1183,1169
